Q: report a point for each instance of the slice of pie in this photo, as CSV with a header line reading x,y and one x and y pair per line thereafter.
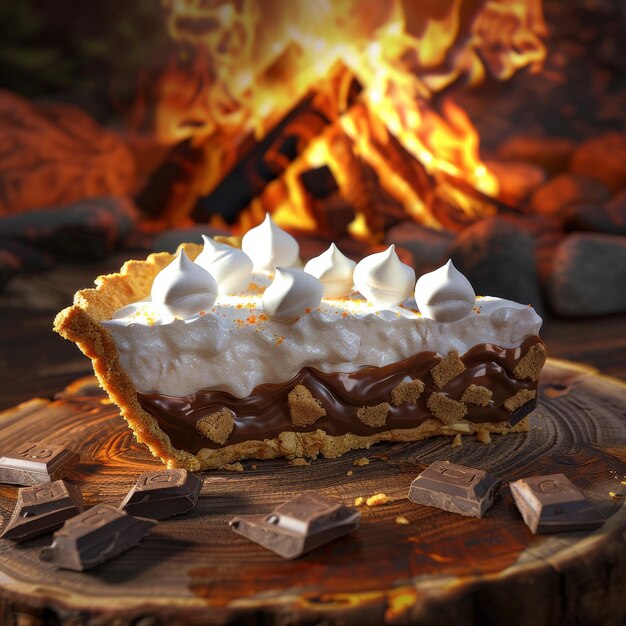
x,y
220,353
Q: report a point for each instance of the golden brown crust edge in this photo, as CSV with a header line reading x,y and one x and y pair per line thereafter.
x,y
80,324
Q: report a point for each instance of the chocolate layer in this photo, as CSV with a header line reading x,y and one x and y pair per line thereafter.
x,y
264,414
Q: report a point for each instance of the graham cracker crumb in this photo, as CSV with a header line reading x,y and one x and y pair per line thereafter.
x,y
349,473
298,462
483,436
253,466
359,501
233,467
446,409
457,441
447,369
374,416
217,426
519,399
531,364
403,521
303,407
407,392
361,462
377,499
477,394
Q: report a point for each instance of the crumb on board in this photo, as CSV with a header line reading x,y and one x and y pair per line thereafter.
x,y
377,499
361,462
349,473
233,467
298,462
403,521
457,441
253,466
615,496
359,501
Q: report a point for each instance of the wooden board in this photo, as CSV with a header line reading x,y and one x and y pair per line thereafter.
x,y
441,568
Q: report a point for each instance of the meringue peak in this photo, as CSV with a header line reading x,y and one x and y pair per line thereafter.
x,y
445,294
291,294
334,270
383,278
268,245
183,288
231,267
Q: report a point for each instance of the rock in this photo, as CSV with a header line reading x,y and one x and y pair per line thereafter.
x,y
565,190
498,258
609,218
88,229
603,158
517,179
588,276
55,154
430,248
551,154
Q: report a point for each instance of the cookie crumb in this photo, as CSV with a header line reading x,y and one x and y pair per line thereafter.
x,y
407,392
531,364
457,441
403,521
299,462
253,466
483,436
519,399
304,409
349,473
374,416
447,369
377,499
477,394
217,426
361,462
233,467
446,409
615,496
359,501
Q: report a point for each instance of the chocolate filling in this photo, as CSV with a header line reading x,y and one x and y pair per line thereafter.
x,y
264,414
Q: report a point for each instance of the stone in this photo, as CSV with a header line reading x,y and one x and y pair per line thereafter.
x,y
603,158
55,154
551,154
430,248
588,276
498,258
565,190
517,179
609,218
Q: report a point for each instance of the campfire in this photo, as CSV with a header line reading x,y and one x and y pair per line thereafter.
x,y
485,131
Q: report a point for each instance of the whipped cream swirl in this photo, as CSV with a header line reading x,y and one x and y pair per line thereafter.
x,y
270,246
231,267
334,270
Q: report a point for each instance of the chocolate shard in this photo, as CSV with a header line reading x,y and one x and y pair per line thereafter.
x,y
455,488
35,463
42,509
552,504
95,536
300,525
163,493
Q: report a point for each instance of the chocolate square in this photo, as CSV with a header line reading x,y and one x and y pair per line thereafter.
x,y
552,504
35,463
454,488
300,525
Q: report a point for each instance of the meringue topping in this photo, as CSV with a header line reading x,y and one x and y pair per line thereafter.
x,y
444,295
384,279
231,267
185,289
334,270
270,246
292,293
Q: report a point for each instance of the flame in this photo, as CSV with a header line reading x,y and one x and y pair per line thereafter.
x,y
256,61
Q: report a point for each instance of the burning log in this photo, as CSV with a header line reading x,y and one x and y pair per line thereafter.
x,y
54,154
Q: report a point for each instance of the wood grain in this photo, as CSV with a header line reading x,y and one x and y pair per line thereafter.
x,y
437,569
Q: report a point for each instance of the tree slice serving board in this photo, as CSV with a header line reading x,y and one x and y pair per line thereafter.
x,y
440,568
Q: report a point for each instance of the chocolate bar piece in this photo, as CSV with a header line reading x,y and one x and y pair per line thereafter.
x,y
163,493
552,504
36,463
454,488
95,536
300,525
42,509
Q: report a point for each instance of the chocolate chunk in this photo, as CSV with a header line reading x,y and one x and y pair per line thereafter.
x,y
163,493
552,504
95,536
36,463
300,525
454,488
42,509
